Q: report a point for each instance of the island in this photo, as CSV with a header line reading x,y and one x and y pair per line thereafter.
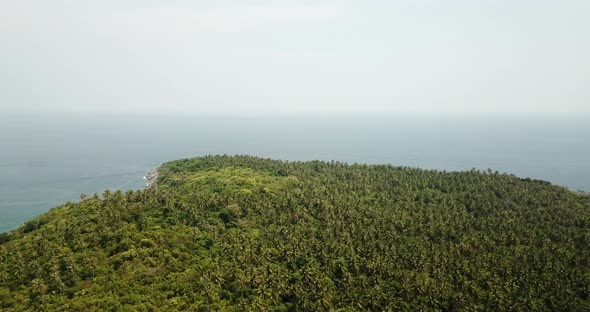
x,y
242,233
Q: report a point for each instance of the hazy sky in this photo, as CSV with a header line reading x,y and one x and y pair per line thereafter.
x,y
267,56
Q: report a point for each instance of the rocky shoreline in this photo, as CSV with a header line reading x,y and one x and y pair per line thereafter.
x,y
151,178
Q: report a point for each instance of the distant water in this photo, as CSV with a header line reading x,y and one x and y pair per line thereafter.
x,y
46,160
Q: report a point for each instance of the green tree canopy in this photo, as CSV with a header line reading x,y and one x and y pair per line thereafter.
x,y
242,233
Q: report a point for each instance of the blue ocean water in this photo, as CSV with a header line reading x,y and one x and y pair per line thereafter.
x,y
46,160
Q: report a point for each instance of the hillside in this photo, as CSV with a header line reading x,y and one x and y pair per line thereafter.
x,y
242,233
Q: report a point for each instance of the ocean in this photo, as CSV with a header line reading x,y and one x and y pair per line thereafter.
x,y
49,159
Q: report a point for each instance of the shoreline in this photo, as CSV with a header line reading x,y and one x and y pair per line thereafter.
x,y
151,178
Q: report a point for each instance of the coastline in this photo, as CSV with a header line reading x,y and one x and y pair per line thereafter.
x,y
151,178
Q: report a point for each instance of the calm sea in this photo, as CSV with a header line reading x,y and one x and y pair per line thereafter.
x,y
46,160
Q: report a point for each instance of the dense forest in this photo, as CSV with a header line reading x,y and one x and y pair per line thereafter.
x,y
240,233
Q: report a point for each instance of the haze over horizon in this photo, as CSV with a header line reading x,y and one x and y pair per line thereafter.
x,y
295,56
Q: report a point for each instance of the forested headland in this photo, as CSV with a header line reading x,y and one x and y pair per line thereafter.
x,y
241,233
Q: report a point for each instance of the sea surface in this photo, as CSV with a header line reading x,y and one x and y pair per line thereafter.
x,y
49,159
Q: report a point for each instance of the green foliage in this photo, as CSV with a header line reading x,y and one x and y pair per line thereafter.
x,y
243,233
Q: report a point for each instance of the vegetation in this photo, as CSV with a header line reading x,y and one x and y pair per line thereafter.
x,y
243,233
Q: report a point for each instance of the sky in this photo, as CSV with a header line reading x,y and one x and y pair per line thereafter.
x,y
185,56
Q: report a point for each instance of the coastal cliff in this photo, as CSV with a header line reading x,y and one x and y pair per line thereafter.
x,y
151,178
